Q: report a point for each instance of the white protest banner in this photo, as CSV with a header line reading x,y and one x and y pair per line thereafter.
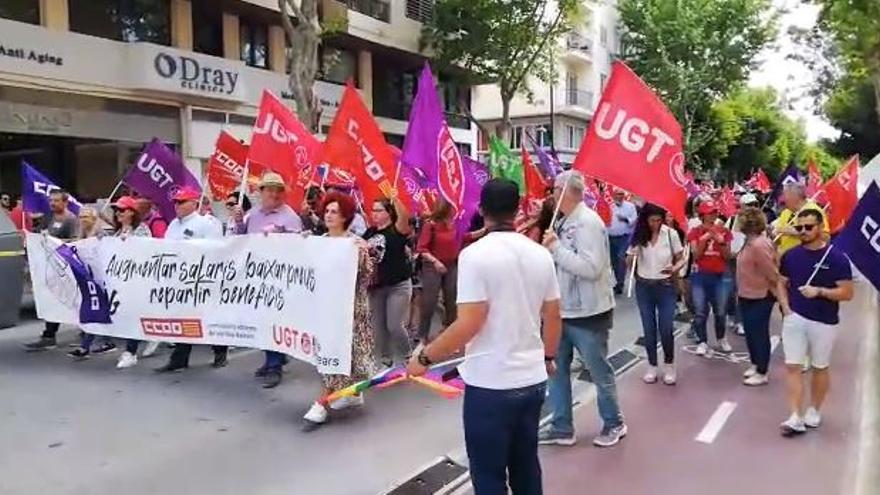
x,y
280,292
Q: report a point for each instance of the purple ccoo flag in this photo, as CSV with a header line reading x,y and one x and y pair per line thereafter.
x,y
95,306
35,191
548,165
476,175
158,174
860,238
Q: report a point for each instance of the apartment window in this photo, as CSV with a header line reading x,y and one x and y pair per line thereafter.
x,y
544,135
574,134
393,88
603,35
207,20
454,95
516,137
420,10
377,9
254,37
338,65
122,20
21,10
482,140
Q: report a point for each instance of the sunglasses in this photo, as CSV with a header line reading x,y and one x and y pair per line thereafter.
x,y
231,205
805,228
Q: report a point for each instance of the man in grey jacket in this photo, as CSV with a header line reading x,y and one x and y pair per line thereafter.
x,y
579,245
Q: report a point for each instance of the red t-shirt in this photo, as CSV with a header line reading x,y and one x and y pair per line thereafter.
x,y
712,260
441,241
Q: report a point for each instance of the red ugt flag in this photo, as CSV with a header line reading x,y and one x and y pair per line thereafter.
x,y
282,144
841,192
536,186
635,143
760,182
814,183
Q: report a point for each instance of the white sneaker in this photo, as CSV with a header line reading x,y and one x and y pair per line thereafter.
x,y
669,375
756,380
316,414
740,330
812,418
793,426
702,349
725,345
151,348
126,360
650,375
346,402
752,371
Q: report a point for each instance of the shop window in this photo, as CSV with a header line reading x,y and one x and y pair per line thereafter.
x,y
338,65
207,19
254,43
516,137
21,10
122,20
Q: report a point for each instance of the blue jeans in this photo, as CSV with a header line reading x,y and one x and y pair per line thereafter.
x,y
274,361
501,435
709,289
592,345
656,302
756,322
618,245
733,309
86,340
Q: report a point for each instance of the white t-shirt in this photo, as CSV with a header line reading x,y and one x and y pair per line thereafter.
x,y
515,276
655,257
194,226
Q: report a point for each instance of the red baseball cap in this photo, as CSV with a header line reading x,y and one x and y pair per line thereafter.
x,y
707,207
186,194
125,203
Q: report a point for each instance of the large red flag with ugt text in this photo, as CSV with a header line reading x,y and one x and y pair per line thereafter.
x,y
635,143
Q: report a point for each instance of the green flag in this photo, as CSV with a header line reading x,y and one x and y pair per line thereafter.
x,y
505,163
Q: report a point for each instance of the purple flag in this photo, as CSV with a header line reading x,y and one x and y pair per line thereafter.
x,y
95,306
429,147
548,165
35,191
476,175
860,238
158,174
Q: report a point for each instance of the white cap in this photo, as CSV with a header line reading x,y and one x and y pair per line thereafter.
x,y
748,198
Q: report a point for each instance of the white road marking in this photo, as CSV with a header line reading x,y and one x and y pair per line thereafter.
x,y
716,422
774,341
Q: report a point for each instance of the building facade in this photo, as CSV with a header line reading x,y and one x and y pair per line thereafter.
x,y
559,114
85,83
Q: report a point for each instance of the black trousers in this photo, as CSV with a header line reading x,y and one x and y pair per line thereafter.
x,y
51,330
181,352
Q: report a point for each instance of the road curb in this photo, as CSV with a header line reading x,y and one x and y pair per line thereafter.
x,y
868,464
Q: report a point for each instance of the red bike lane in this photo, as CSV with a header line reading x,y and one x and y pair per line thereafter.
x,y
711,434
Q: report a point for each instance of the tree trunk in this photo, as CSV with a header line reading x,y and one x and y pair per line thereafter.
x,y
503,127
304,34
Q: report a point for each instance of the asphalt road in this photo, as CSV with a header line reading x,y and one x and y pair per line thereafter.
x,y
85,428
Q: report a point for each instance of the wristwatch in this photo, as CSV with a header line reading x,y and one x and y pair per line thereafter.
x,y
423,358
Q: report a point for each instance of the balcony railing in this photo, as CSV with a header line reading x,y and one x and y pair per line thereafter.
x,y
401,111
579,98
420,10
579,43
377,9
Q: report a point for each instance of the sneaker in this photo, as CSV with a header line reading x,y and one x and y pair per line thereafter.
x,y
550,436
126,360
79,354
650,375
272,378
577,364
105,347
610,436
756,380
316,414
220,360
740,330
171,368
346,402
793,426
752,371
702,349
725,345
812,419
669,375
151,348
40,345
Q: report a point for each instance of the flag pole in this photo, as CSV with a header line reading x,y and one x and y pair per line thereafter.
x,y
110,198
559,203
631,277
819,264
244,180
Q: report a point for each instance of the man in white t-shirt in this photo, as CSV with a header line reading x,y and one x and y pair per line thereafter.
x,y
506,287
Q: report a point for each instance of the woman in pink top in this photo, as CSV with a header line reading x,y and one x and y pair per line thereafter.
x,y
756,276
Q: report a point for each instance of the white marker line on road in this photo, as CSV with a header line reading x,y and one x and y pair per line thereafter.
x,y
774,341
716,422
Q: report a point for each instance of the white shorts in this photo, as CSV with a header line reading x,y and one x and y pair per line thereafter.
x,y
802,338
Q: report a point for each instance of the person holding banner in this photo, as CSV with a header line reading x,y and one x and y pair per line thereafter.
x,y
273,216
710,245
229,228
61,224
579,246
657,252
438,247
339,212
815,278
391,288
187,226
794,195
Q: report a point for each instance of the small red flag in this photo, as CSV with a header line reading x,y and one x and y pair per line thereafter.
x,y
536,186
842,193
226,166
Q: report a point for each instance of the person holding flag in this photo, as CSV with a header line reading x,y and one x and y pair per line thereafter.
x,y
815,278
438,247
61,223
783,229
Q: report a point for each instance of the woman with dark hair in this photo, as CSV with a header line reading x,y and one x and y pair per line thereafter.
x,y
231,202
657,252
391,288
535,227
339,211
438,248
756,282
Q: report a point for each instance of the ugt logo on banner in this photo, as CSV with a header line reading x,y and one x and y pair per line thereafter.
x,y
860,239
635,143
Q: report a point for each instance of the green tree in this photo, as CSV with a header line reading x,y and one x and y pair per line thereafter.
x,y
850,108
500,41
694,52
